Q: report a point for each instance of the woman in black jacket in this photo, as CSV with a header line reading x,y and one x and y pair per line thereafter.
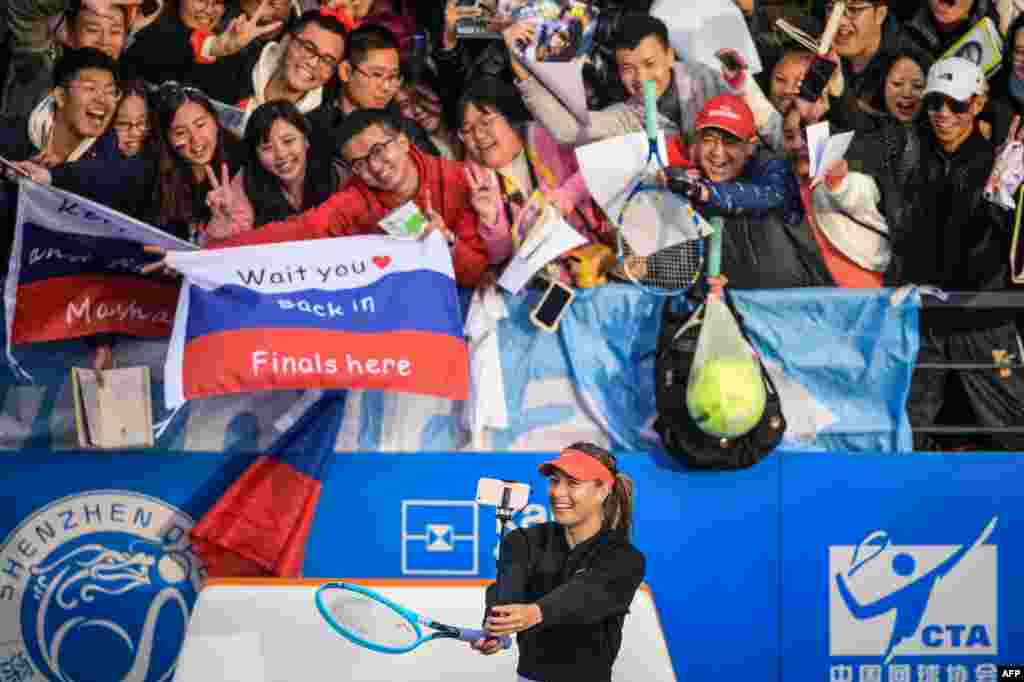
x,y
566,585
284,174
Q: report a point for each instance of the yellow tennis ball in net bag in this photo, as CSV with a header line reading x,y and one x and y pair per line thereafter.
x,y
727,397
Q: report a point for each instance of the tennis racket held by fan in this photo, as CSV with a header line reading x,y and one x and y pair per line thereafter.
x,y
660,235
373,621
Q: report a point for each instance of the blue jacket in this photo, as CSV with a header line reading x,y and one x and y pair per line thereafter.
x,y
766,186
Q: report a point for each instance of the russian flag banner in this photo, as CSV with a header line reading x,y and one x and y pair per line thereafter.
x,y
372,312
74,271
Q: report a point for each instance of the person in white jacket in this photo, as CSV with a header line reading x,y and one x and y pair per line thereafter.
x,y
842,210
297,68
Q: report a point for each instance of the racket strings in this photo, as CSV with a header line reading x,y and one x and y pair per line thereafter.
x,y
371,620
651,219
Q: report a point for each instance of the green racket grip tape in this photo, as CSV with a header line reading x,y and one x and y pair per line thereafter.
x,y
651,109
715,247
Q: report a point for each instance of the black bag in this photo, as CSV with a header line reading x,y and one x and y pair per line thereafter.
x,y
677,346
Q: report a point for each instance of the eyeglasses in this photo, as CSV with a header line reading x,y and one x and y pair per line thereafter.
x,y
934,101
308,50
92,89
129,126
852,11
376,155
391,80
484,123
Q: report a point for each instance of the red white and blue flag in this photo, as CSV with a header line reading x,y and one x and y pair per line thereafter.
x,y
74,271
370,312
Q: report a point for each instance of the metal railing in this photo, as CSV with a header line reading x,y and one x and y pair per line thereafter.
x,y
1011,360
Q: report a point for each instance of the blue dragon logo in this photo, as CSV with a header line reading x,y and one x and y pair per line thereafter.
x,y
110,595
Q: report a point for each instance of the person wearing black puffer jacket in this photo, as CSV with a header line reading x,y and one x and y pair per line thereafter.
x,y
951,237
566,586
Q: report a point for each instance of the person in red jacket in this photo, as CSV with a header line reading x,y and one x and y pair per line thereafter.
x,y
387,171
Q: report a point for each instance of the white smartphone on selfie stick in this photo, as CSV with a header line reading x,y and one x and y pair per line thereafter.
x,y
491,492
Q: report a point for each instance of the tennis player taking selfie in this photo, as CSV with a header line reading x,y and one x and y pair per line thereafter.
x,y
566,585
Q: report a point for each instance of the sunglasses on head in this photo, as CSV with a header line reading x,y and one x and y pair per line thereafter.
x,y
934,101
171,95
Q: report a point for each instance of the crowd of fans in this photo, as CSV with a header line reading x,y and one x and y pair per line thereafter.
x,y
355,107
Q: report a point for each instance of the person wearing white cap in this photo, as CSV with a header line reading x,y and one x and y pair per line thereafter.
x,y
953,238
566,585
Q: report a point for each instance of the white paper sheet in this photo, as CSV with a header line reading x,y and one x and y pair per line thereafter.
x,y
835,150
817,138
824,149
555,238
698,29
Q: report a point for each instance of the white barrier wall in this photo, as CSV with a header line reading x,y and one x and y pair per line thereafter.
x,y
270,631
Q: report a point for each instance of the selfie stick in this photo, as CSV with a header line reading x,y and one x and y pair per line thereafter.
x,y
504,513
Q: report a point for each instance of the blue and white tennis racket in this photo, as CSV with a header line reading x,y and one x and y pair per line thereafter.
x,y
660,235
373,621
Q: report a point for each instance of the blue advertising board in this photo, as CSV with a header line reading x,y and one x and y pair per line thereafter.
x,y
807,567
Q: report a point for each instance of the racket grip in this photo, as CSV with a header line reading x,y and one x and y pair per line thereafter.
x,y
470,635
715,247
651,109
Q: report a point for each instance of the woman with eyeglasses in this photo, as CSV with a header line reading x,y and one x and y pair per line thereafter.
x,y
192,146
297,68
419,101
190,44
284,175
135,120
513,159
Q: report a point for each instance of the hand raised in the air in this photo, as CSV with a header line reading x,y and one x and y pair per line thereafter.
x,y
230,208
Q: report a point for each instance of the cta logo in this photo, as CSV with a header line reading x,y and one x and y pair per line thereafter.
x,y
888,600
97,586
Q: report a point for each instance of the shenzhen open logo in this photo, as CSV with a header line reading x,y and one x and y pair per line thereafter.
x,y
102,581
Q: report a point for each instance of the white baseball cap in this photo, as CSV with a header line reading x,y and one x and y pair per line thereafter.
x,y
955,77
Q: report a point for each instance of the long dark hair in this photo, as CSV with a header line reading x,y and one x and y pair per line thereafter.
x,y
879,72
1001,81
179,198
618,506
263,187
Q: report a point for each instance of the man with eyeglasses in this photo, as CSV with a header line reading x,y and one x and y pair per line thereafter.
x,y
940,23
369,77
297,68
867,29
387,172
953,238
70,144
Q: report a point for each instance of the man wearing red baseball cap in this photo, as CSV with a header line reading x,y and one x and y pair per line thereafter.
x,y
567,584
729,178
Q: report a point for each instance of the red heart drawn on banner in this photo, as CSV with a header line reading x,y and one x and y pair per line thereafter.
x,y
381,261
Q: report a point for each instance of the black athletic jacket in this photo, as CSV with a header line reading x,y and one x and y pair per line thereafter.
x,y
583,592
